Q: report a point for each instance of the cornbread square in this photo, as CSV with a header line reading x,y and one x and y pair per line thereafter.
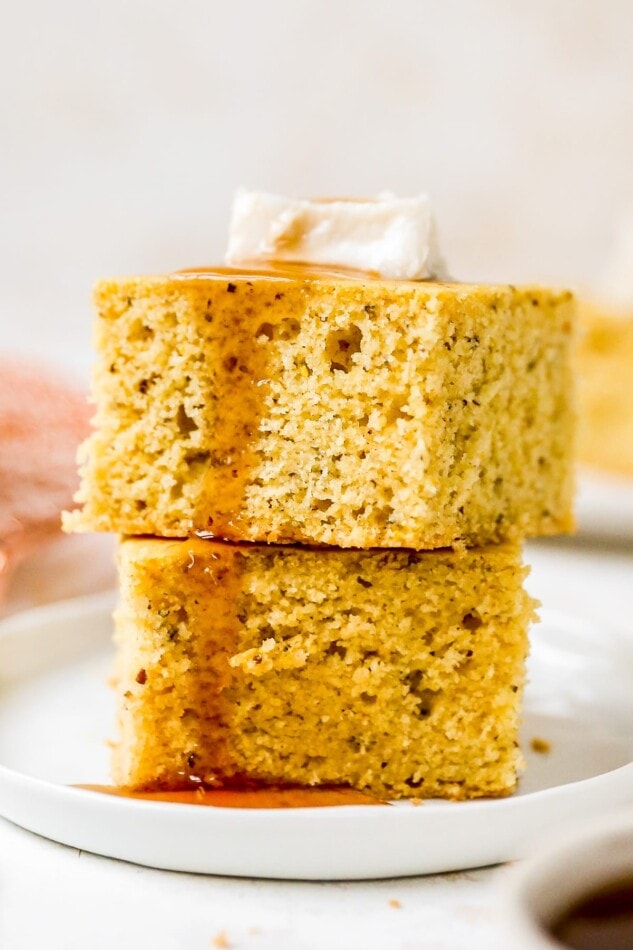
x,y
605,391
344,412
396,672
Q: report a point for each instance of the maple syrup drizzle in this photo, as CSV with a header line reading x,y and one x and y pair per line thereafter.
x,y
214,571
277,270
240,320
238,371
262,797
240,314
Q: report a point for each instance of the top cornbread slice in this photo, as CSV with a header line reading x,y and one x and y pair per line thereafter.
x,y
358,413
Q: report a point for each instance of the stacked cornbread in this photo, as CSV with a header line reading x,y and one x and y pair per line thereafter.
x,y
348,461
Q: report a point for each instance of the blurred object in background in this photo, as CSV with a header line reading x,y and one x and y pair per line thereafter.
x,y
42,421
605,364
617,280
605,399
606,388
70,566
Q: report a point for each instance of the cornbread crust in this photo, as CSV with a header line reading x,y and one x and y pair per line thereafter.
x,y
343,412
395,672
605,388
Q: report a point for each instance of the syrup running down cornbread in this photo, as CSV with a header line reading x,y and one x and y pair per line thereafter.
x,y
301,405
245,796
392,672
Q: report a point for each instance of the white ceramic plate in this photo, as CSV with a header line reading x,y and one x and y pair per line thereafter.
x,y
604,505
56,713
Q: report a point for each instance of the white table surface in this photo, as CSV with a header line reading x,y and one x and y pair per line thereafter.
x,y
56,897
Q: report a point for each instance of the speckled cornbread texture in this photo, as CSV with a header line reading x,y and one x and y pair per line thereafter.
x,y
358,414
605,364
392,671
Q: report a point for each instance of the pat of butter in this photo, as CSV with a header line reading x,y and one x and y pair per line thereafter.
x,y
393,238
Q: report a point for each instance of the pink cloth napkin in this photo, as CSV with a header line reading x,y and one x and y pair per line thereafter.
x,y
42,422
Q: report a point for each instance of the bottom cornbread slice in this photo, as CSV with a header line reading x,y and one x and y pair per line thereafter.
x,y
391,671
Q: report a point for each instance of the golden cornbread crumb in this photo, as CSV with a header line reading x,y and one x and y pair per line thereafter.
x,y
343,412
605,390
394,672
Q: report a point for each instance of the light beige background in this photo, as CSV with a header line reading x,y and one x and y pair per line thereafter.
x,y
126,125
